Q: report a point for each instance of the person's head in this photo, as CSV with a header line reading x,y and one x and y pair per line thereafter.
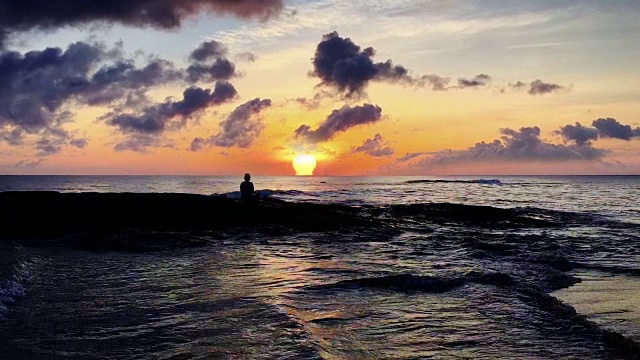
x,y
247,177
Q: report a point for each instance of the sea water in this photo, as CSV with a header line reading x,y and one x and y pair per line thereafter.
x,y
437,287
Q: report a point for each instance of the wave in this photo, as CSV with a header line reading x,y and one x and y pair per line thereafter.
x,y
624,347
15,270
608,269
476,181
266,193
423,283
473,215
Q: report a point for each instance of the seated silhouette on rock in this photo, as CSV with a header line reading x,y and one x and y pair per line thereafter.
x,y
247,191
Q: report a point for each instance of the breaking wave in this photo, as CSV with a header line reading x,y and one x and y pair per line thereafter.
x,y
266,193
423,283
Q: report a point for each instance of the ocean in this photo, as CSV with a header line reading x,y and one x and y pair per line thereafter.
x,y
443,267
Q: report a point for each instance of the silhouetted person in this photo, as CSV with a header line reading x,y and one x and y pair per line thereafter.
x,y
247,191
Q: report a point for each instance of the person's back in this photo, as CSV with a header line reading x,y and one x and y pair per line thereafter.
x,y
247,191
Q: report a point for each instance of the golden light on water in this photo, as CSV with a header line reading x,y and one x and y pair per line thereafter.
x,y
304,164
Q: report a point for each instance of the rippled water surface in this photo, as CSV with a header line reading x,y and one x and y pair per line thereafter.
x,y
609,195
436,285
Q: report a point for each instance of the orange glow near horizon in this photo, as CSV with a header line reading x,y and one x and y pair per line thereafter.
x,y
304,164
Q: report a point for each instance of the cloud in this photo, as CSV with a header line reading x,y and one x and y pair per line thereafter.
x,y
79,143
517,85
578,133
477,81
515,146
163,14
339,121
173,114
139,143
12,137
340,63
209,50
220,69
409,156
436,82
122,79
239,129
376,147
37,86
247,56
198,144
311,103
27,163
611,128
602,128
54,142
48,146
538,87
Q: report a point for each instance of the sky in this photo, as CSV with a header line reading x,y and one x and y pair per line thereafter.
x,y
399,87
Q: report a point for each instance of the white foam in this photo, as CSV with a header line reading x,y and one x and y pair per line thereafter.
x,y
237,194
488,181
11,289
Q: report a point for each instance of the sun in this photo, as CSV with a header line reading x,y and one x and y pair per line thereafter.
x,y
304,164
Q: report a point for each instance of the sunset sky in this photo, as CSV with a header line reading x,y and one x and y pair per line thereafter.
x,y
399,87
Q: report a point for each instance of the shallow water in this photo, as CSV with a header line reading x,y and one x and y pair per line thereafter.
x,y
433,283
609,300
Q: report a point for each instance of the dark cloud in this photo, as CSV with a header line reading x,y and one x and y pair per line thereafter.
x,y
123,79
611,128
239,129
340,120
173,114
477,81
602,128
36,87
221,69
388,71
578,133
376,147
538,87
23,15
209,50
340,63
516,145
